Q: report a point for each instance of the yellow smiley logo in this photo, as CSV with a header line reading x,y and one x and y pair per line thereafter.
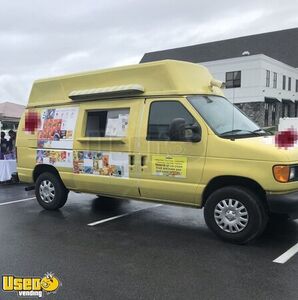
x,y
49,283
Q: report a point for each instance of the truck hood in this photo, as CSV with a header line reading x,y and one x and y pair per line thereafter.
x,y
261,148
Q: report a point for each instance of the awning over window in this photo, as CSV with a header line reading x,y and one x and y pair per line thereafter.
x,y
271,100
287,101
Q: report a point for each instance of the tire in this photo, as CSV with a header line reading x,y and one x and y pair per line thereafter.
x,y
224,208
50,191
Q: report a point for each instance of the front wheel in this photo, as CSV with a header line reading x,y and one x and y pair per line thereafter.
x,y
235,214
50,191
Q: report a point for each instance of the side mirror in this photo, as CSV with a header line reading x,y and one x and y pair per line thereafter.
x,y
178,131
196,133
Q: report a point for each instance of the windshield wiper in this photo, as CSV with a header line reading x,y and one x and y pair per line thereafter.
x,y
259,130
262,132
231,132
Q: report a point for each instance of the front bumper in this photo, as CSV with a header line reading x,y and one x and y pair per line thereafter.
x,y
283,203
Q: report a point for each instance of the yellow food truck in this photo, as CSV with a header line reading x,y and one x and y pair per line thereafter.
x,y
160,131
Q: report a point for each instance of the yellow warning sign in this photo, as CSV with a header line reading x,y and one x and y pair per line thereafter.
x,y
172,166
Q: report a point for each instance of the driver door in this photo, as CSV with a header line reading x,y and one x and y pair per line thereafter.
x,y
170,170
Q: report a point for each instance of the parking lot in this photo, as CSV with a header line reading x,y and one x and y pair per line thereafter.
x,y
149,251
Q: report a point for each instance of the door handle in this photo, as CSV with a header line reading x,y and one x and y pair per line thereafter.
x,y
143,160
131,160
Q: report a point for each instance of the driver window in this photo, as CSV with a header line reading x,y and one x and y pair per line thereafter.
x,y
161,115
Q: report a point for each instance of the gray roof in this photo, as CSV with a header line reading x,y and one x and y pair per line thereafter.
x,y
11,110
281,45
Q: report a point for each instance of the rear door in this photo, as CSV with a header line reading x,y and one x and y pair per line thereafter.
x,y
170,171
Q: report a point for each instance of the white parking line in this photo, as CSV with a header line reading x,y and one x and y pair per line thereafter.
x,y
120,216
17,201
287,255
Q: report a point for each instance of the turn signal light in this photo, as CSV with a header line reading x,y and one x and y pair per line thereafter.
x,y
281,173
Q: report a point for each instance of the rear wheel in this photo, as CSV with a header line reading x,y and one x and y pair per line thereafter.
x,y
235,214
50,191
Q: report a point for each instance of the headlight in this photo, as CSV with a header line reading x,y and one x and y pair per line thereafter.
x,y
292,173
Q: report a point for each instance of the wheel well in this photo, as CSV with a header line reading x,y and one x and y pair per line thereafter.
x,y
223,181
44,168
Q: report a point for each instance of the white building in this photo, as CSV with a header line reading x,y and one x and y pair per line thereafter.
x,y
260,71
261,86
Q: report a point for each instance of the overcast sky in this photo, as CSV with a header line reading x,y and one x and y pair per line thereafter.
x,y
42,38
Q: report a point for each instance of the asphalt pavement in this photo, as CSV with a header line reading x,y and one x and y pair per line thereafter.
x,y
147,252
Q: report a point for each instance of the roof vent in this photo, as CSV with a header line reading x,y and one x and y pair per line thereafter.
x,y
245,53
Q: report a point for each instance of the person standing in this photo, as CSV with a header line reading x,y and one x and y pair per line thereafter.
x,y
3,149
11,144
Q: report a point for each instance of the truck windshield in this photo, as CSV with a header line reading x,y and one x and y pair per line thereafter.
x,y
223,117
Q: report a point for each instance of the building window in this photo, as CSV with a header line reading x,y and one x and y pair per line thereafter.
x,y
289,83
285,109
284,82
267,78
233,79
266,114
273,113
296,108
274,80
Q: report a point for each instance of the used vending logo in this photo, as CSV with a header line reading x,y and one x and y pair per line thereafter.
x,y
31,286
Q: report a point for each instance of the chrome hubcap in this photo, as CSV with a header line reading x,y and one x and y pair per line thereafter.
x,y
47,191
231,215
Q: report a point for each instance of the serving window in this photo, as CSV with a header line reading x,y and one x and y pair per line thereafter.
x,y
107,123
